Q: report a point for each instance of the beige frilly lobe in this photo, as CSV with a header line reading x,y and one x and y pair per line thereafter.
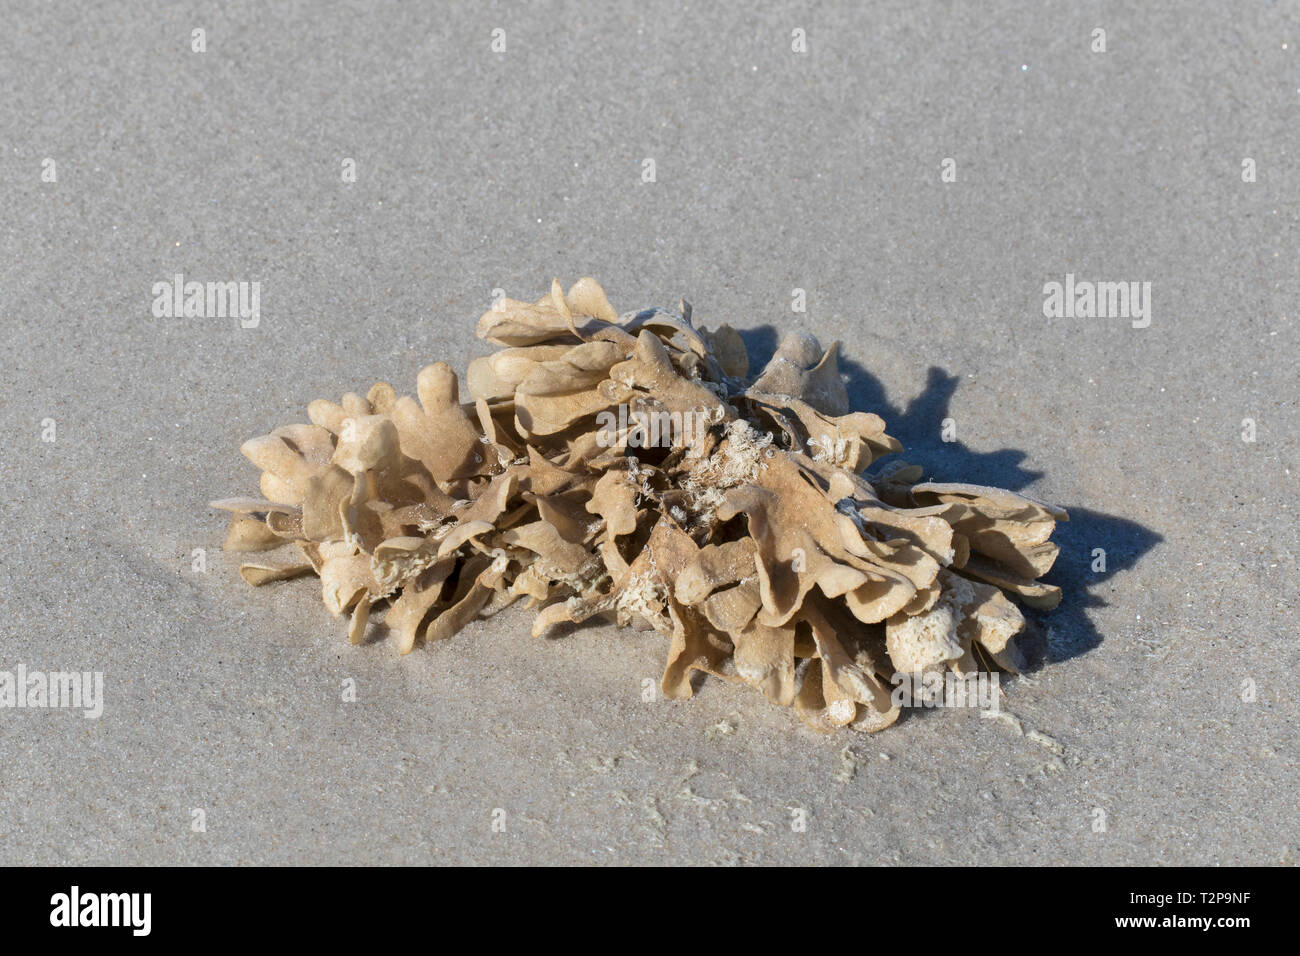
x,y
750,539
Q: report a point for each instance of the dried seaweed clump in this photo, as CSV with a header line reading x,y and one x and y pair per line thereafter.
x,y
627,467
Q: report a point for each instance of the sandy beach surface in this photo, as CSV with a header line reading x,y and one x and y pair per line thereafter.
x,y
1158,721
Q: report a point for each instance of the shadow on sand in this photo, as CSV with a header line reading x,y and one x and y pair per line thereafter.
x,y
1051,636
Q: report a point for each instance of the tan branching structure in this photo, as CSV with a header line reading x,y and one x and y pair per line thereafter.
x,y
753,541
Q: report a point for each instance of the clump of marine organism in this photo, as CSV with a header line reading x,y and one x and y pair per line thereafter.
x,y
626,467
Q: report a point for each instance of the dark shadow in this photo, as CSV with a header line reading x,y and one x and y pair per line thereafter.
x,y
564,629
919,426
760,344
1050,636
1067,631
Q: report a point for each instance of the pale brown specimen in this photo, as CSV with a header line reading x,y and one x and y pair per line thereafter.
x,y
746,533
